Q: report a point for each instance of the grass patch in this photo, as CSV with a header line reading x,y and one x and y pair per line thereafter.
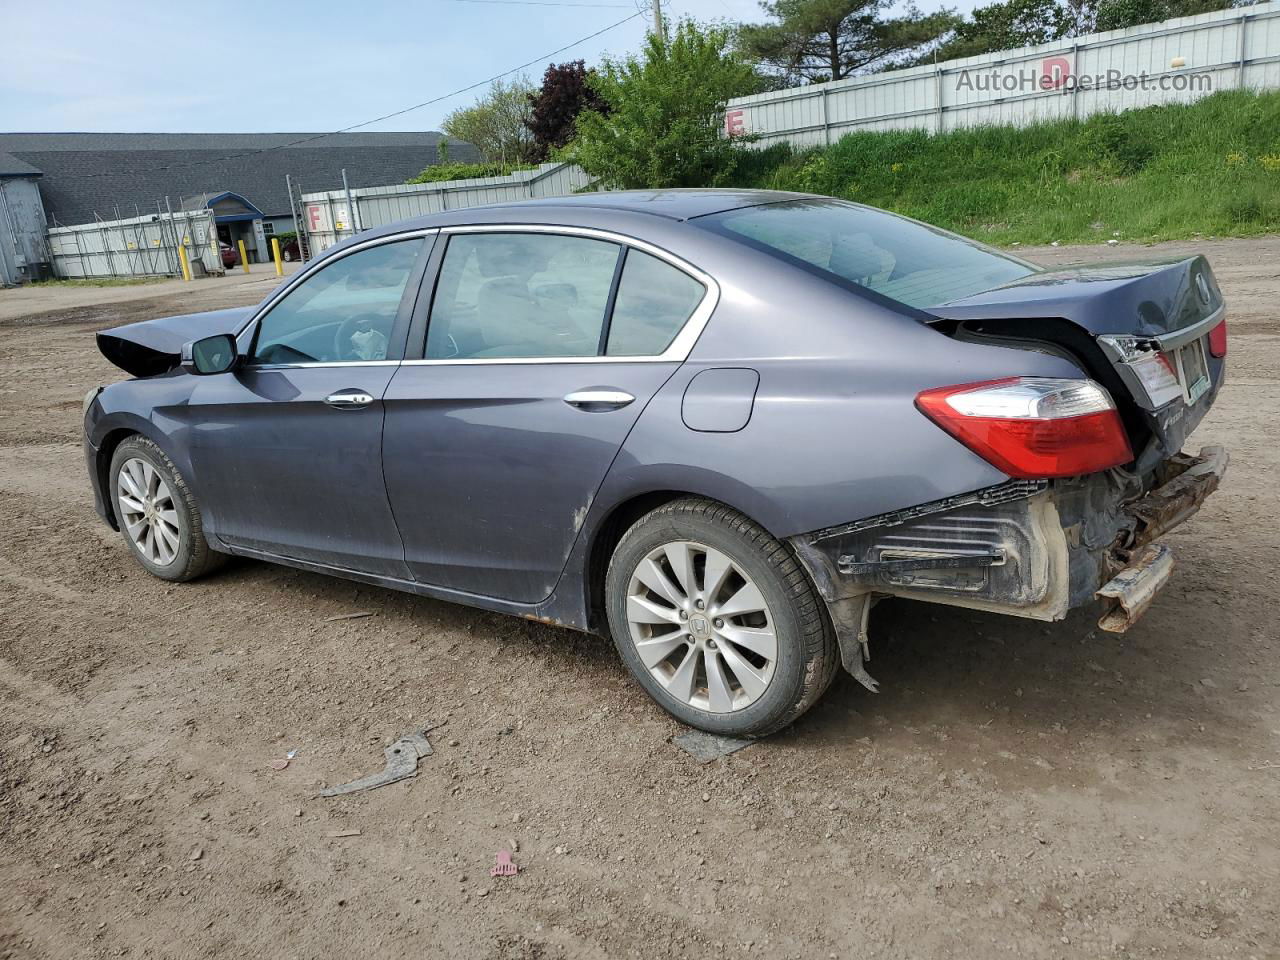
x,y
100,282
1159,173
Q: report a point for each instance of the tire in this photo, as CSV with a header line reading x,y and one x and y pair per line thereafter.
x,y
177,513
287,257
704,536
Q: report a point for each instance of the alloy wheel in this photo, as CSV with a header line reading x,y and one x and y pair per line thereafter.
x,y
701,627
148,512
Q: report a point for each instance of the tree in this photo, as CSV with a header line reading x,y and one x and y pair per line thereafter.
x,y
1082,16
1115,14
1019,23
1004,26
495,126
818,40
566,91
665,113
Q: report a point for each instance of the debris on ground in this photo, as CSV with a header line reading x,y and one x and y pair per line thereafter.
x,y
339,834
349,616
402,763
705,747
504,867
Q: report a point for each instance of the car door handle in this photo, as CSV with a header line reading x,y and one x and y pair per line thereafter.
x,y
596,400
349,399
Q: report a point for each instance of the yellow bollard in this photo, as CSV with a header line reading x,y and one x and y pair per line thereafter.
x,y
182,258
217,255
244,257
275,253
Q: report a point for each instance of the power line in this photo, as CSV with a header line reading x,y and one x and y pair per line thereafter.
x,y
385,116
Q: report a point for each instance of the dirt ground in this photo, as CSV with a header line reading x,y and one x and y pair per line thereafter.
x,y
1015,789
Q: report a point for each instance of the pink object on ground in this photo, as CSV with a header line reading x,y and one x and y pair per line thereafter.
x,y
504,867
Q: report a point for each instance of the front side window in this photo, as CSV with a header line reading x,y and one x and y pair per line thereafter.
x,y
512,295
343,312
908,262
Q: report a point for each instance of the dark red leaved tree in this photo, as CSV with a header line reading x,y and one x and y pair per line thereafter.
x,y
566,92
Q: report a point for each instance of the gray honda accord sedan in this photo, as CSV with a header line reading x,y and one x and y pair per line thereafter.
x,y
714,425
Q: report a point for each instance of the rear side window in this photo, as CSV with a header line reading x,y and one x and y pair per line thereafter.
x,y
508,295
654,301
908,262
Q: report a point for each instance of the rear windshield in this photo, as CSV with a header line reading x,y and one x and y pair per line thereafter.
x,y
897,258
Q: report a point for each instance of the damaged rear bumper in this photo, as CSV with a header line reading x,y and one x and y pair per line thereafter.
x,y
1028,548
1185,484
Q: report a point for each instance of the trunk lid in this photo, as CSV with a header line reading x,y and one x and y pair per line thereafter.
x,y
1140,329
152,347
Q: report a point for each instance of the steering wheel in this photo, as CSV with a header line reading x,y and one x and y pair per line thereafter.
x,y
343,348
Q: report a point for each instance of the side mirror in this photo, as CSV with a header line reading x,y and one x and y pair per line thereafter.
x,y
216,354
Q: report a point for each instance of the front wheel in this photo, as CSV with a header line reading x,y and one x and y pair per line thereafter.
x,y
158,514
717,620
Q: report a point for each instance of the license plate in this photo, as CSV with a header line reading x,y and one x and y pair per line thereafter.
x,y
1193,371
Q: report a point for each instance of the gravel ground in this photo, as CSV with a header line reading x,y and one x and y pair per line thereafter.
x,y
1016,789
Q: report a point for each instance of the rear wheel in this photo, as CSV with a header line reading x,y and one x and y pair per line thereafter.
x,y
717,620
158,514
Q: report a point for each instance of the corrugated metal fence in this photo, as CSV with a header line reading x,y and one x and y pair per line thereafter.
x,y
327,220
137,247
1174,61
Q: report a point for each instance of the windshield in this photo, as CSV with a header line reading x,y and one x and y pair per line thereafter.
x,y
909,262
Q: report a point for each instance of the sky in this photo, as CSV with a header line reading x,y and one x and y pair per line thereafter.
x,y
307,65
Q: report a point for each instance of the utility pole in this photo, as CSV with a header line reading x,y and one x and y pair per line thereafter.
x,y
657,21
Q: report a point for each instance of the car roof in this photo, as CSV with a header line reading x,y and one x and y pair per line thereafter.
x,y
673,204
586,208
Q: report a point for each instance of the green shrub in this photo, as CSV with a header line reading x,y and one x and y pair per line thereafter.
x,y
1114,146
466,171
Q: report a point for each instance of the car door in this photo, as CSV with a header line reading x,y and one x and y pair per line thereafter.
x,y
287,448
542,347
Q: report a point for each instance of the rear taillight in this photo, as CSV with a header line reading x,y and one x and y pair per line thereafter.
x,y
1218,340
1032,427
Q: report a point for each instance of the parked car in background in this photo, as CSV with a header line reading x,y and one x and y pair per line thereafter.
x,y
229,256
289,249
714,425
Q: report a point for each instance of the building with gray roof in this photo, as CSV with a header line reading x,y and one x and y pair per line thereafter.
x,y
84,176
